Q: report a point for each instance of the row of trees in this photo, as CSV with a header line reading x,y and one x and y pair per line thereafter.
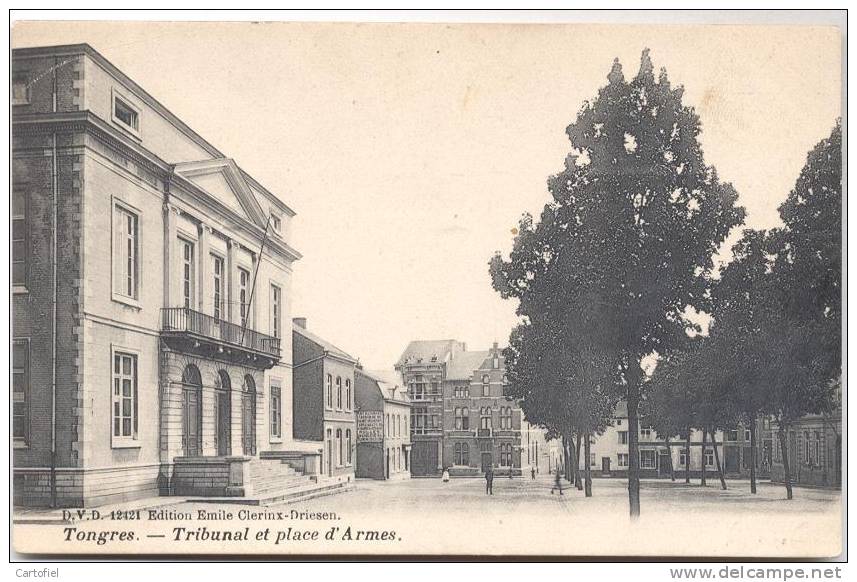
x,y
625,250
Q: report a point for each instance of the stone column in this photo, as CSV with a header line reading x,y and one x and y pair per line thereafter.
x,y
237,431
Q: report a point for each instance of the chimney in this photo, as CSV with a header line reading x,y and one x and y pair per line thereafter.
x,y
495,348
300,322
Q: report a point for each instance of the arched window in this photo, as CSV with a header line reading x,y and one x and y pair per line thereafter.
x,y
506,455
191,376
485,387
485,418
347,394
348,447
339,447
329,400
338,393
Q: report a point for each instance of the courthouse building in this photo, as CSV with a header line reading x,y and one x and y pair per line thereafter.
x,y
151,326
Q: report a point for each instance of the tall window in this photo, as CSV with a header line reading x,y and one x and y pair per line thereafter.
x,y
21,391
462,391
348,447
506,455
505,417
329,399
806,449
20,90
709,457
387,425
125,250
347,394
187,272
623,459
646,433
276,308
462,418
124,396
276,411
217,285
485,387
623,437
339,393
339,447
243,284
484,418
20,238
682,459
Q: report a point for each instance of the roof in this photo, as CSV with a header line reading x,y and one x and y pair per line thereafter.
x,y
428,349
464,364
389,383
323,343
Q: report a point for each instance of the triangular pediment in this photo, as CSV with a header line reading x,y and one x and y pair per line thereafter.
x,y
222,180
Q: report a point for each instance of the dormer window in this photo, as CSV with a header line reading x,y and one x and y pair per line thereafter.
x,y
125,114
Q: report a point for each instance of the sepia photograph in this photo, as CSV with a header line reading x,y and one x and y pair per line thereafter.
x,y
402,288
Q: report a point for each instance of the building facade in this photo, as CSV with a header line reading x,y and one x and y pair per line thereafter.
x,y
423,368
461,418
383,426
140,364
815,451
608,456
324,400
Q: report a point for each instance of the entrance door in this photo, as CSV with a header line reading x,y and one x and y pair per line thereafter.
x,y
487,462
191,420
223,410
329,469
191,412
731,459
663,463
248,416
605,465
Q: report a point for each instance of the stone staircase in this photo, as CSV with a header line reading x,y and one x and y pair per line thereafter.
x,y
274,481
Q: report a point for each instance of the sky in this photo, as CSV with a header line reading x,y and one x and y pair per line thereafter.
x,y
410,151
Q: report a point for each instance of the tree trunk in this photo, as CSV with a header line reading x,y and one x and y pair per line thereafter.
x,y
633,402
564,457
587,464
702,478
717,460
687,458
670,457
781,435
577,464
753,455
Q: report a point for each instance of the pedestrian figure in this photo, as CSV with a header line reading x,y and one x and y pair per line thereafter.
x,y
445,476
557,483
489,481
533,473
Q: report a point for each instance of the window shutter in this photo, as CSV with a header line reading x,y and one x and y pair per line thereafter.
x,y
117,250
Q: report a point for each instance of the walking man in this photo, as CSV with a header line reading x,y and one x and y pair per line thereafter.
x,y
557,482
533,473
489,481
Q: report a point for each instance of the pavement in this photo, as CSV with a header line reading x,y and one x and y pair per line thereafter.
x,y
428,516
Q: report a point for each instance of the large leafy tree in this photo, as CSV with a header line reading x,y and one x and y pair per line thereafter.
x,y
627,241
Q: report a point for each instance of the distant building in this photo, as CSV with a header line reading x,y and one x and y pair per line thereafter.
x,y
608,455
423,369
323,399
814,448
537,452
383,426
461,418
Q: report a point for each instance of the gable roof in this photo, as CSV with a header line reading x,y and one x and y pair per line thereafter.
x,y
328,347
390,384
464,364
425,350
224,180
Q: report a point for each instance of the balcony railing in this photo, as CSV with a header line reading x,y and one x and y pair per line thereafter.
x,y
183,320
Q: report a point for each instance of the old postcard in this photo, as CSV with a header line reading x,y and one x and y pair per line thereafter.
x,y
426,289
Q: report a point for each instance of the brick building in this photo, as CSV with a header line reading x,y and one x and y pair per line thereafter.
x,y
383,426
324,400
461,419
140,365
423,369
